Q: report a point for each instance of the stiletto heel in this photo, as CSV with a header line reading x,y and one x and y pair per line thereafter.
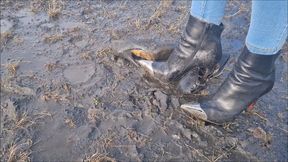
x,y
251,106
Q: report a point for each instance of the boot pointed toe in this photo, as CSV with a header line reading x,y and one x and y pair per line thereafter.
x,y
147,65
195,110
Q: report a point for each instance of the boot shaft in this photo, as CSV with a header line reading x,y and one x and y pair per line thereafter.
x,y
262,64
253,76
195,33
200,45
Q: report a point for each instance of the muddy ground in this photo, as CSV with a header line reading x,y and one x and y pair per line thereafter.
x,y
64,97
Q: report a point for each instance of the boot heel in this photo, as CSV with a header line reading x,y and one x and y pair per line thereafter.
x,y
251,106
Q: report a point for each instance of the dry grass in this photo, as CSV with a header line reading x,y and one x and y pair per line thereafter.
x,y
59,94
53,38
261,116
159,28
138,24
123,6
242,7
19,152
114,34
25,121
70,123
96,101
50,66
159,12
94,114
104,52
109,14
98,157
37,5
161,9
138,138
66,87
54,96
106,140
182,9
54,8
213,158
73,30
5,37
12,67
10,87
173,28
86,55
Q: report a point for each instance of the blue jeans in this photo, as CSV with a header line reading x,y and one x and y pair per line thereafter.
x,y
268,27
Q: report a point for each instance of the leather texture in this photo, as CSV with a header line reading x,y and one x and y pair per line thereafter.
x,y
198,49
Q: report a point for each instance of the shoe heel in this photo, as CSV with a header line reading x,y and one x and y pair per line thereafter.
x,y
251,106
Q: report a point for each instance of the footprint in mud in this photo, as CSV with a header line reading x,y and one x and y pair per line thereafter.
x,y
77,116
77,74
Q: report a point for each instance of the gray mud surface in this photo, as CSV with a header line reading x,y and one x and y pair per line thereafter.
x,y
65,97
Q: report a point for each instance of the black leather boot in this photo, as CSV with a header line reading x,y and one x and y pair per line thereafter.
x,y
198,52
253,76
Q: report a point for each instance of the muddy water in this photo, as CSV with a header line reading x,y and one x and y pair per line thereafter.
x,y
81,103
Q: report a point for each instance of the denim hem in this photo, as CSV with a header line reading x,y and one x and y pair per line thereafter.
x,y
205,19
208,11
262,51
268,51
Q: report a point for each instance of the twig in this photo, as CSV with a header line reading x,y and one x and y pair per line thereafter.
x,y
220,156
286,131
202,155
260,116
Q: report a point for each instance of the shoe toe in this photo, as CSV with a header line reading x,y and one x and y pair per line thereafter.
x,y
148,65
195,110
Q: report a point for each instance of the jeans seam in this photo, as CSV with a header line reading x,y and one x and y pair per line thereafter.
x,y
269,49
203,8
282,35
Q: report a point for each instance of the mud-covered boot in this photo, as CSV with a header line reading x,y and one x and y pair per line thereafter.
x,y
253,76
199,50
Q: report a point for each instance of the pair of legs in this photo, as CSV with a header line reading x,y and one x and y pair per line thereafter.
x,y
253,74
198,57
268,27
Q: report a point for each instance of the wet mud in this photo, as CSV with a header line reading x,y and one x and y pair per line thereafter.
x,y
66,97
